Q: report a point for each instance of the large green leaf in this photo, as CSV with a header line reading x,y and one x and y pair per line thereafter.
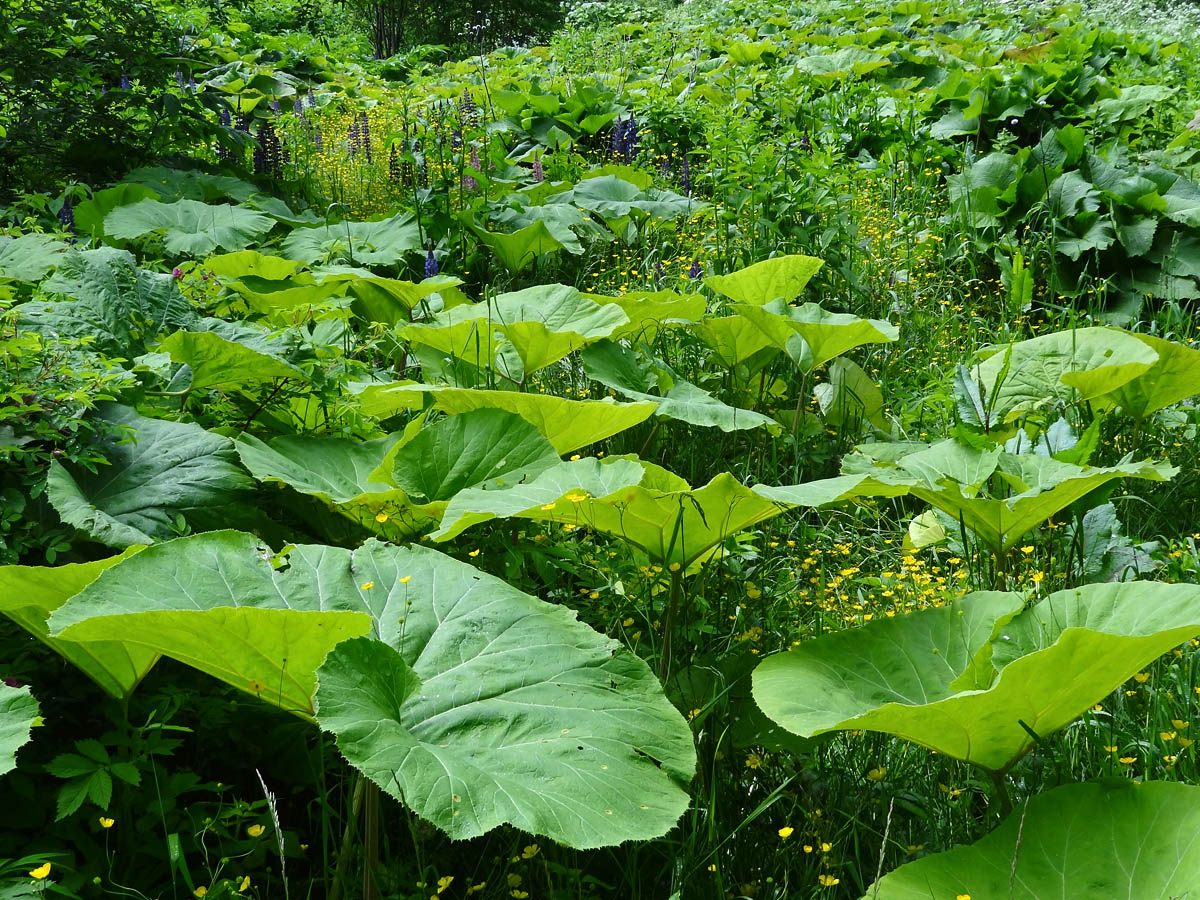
x,y
546,322
188,226
1114,838
19,714
850,397
89,215
518,249
566,424
1060,367
227,355
777,278
948,475
825,334
470,702
342,473
117,306
972,679
398,485
734,339
1174,377
157,470
661,515
650,310
269,296
837,64
614,198
29,594
390,300
384,242
29,257
510,711
631,373
468,449
224,604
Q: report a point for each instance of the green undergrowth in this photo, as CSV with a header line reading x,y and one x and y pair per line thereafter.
x,y
729,451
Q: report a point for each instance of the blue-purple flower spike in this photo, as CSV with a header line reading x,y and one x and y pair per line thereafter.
x,y
66,215
695,271
431,264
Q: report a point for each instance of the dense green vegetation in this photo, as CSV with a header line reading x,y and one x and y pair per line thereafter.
x,y
733,450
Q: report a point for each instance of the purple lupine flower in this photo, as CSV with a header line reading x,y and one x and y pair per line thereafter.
x,y
192,86
431,264
695,271
618,137
629,143
455,139
475,158
309,100
665,166
805,142
539,174
469,183
66,215
226,118
179,79
268,152
318,142
659,271
275,107
685,176
393,164
364,133
468,110
126,84
352,137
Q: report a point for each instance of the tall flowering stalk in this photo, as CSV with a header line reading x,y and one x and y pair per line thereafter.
x,y
618,137
66,216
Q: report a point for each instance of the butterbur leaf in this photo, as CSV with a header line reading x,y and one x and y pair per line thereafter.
x,y
849,398
384,242
662,515
19,713
533,719
189,227
780,277
1063,366
229,356
350,476
216,602
29,257
467,449
1113,838
29,594
951,476
157,470
566,424
633,374
519,248
470,700
1173,377
734,339
825,335
972,680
